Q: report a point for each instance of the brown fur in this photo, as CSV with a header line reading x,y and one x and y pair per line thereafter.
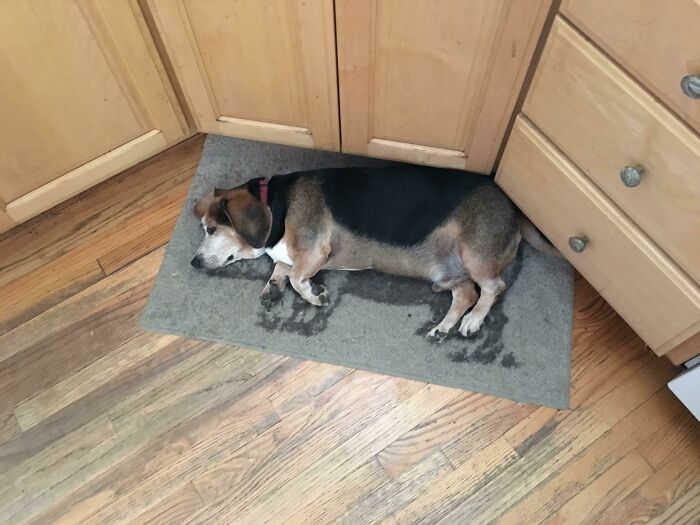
x,y
471,247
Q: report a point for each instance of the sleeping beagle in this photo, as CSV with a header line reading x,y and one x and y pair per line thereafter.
x,y
453,228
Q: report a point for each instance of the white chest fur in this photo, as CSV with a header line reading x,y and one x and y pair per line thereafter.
x,y
279,253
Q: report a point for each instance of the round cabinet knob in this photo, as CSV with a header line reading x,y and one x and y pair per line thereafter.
x,y
631,176
691,86
578,244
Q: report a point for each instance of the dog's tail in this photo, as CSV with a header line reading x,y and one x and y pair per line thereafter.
x,y
534,238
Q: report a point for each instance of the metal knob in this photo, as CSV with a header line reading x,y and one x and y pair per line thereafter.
x,y
691,86
631,176
578,244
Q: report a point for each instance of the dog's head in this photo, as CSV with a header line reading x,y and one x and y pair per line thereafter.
x,y
236,226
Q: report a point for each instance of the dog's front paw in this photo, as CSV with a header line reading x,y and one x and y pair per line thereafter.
x,y
470,325
436,335
270,295
320,295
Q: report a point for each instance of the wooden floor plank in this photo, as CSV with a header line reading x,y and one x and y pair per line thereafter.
x,y
341,461
491,496
309,382
46,286
462,426
173,509
683,510
32,411
150,461
606,491
666,488
205,435
492,417
373,506
31,484
447,490
88,216
100,400
339,496
275,457
78,309
141,233
583,469
681,433
90,326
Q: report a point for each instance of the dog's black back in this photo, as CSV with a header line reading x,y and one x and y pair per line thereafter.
x,y
398,205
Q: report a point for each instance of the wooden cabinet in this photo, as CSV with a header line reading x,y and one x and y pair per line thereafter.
x,y
657,42
258,69
576,93
657,299
608,172
85,93
433,82
84,96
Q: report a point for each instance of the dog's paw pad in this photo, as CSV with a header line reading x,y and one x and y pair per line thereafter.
x,y
271,294
266,299
321,295
436,336
324,298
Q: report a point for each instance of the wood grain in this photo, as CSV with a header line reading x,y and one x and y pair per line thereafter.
x,y
574,74
606,491
685,351
654,44
46,264
87,96
595,460
568,204
173,509
669,495
258,70
119,425
433,82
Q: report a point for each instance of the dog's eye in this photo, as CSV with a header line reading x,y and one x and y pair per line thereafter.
x,y
230,258
211,230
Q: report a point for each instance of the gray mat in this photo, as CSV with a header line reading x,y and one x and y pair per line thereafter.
x,y
374,322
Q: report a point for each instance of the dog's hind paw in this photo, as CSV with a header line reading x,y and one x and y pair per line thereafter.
x,y
320,295
470,325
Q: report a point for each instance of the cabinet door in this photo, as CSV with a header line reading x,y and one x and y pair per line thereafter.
x,y
433,81
84,96
258,69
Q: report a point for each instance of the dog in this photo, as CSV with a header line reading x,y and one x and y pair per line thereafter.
x,y
453,228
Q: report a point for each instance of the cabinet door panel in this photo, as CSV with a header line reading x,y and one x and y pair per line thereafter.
x,y
259,69
79,80
433,81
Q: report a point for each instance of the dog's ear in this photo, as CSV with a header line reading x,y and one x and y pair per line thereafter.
x,y
201,208
218,192
250,218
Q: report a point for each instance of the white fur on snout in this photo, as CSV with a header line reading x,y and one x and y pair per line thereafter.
x,y
216,248
280,253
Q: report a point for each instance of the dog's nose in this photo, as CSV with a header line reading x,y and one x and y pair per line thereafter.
x,y
196,261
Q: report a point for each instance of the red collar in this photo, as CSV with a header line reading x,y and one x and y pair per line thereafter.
x,y
262,187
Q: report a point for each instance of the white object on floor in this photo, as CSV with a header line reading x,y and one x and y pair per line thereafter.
x,y
687,388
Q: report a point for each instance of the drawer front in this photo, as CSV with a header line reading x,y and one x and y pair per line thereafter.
x,y
655,41
603,120
657,299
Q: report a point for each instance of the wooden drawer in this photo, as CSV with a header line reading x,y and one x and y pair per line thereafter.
x,y
657,299
603,121
655,41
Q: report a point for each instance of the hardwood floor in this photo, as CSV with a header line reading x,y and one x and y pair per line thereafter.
x,y
101,422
